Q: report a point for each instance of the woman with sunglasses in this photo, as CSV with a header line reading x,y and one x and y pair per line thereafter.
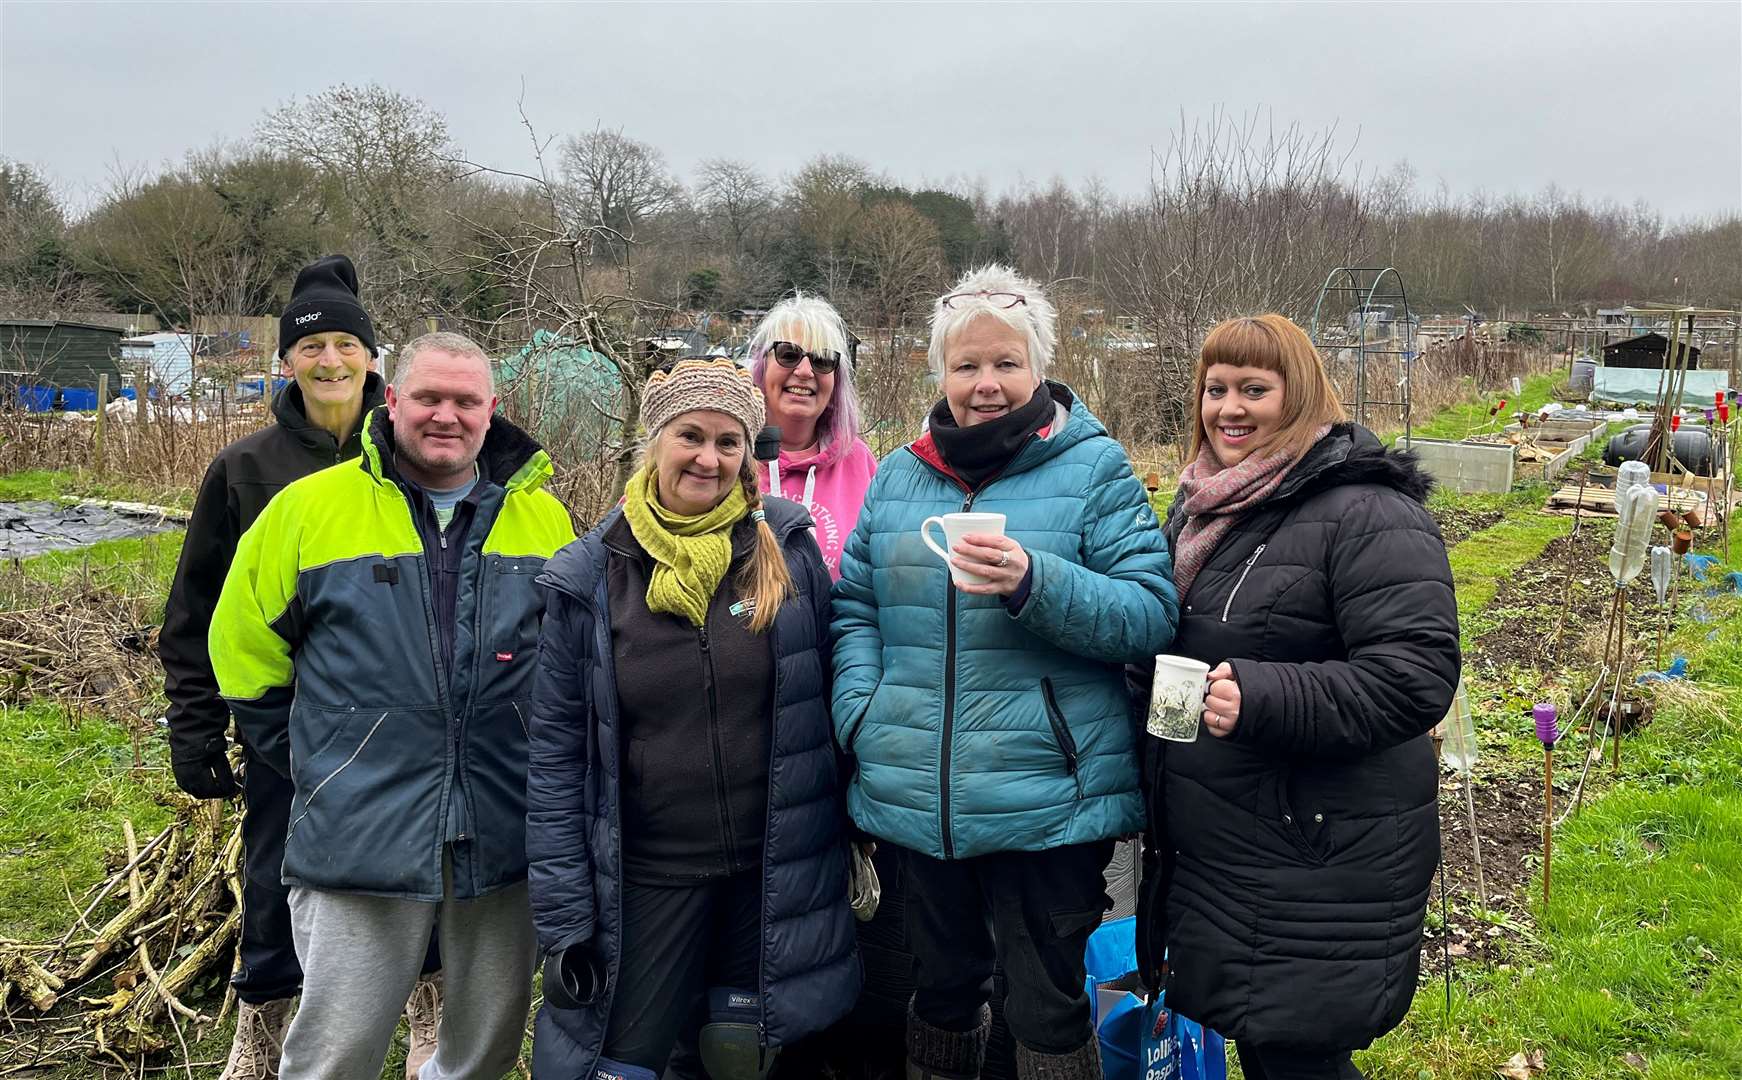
x,y
801,357
993,734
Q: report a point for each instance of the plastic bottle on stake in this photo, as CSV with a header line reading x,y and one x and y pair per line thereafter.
x,y
1459,728
1632,473
1662,567
1633,533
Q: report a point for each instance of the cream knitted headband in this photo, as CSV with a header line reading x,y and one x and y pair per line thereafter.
x,y
718,384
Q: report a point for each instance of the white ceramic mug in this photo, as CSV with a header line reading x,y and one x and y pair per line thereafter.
x,y
1176,699
955,527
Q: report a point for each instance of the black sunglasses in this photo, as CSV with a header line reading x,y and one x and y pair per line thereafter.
x,y
787,355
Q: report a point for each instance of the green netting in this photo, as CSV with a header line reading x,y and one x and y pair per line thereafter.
x,y
565,394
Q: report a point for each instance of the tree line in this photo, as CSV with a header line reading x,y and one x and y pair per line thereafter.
x,y
600,239
1235,212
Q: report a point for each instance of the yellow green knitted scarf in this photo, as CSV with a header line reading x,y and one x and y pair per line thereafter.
x,y
691,554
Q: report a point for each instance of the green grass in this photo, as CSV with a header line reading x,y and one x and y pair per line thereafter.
x,y
1484,560
43,484
1640,949
1471,418
141,567
64,792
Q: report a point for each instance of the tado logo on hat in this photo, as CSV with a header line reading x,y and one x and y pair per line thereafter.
x,y
310,317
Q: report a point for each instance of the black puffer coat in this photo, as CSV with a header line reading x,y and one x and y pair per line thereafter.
x,y
1289,865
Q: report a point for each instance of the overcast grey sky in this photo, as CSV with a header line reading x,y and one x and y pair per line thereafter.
x,y
1618,101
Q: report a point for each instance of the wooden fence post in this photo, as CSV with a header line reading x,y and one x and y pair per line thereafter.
x,y
102,399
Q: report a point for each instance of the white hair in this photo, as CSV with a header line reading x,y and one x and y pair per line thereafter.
x,y
440,341
809,321
1035,317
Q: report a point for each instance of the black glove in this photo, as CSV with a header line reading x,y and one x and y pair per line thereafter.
x,y
205,777
573,977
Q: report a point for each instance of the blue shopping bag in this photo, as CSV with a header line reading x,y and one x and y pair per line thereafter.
x,y
1139,1040
1148,1041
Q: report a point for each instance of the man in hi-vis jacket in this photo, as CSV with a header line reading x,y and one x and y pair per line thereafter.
x,y
327,343
376,640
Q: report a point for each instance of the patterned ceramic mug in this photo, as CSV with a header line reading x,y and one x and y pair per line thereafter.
x,y
1176,700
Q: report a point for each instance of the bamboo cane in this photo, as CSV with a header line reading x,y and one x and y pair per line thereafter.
x,y
1547,819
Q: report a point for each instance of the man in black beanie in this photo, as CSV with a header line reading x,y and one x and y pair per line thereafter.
x,y
327,343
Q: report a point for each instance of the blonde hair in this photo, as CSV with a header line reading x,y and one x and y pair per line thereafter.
x,y
1273,343
765,578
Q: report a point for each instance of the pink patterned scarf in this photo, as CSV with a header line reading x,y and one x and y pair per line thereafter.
x,y
1213,498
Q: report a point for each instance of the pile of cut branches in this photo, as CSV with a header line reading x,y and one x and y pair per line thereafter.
x,y
89,649
113,992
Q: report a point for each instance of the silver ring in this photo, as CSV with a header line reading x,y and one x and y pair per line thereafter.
x,y
1004,559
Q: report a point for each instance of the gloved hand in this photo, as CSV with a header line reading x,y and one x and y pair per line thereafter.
x,y
573,977
205,777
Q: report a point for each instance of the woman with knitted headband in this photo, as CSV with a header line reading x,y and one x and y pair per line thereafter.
x,y
688,851
984,699
801,355
1289,894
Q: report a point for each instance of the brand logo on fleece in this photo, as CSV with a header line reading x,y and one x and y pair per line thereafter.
x,y
739,1000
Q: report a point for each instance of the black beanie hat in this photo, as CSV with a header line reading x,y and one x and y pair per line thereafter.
x,y
324,299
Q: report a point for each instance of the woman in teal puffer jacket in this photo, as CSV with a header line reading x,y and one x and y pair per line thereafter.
x,y
992,731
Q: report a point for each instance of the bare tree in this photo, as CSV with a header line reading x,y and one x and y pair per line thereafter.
x,y
37,275
1238,218
738,199
614,183
388,153
827,199
902,260
530,253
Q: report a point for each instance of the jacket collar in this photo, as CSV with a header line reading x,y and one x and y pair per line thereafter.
x,y
1064,430
292,414
509,457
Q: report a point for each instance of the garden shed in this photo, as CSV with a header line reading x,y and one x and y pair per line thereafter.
x,y
1648,351
58,364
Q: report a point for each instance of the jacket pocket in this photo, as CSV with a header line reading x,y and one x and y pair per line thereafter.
x,y
1061,732
1296,829
509,626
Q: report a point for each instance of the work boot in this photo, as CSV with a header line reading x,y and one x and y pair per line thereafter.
x,y
259,1041
423,1014
936,1054
1083,1063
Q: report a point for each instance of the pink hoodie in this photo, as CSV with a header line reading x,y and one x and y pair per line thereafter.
x,y
831,485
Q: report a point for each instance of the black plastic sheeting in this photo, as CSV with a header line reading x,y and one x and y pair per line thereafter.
x,y
31,528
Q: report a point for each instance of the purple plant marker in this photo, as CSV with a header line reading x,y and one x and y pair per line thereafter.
x,y
1545,724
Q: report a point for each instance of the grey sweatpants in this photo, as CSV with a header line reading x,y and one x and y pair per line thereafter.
x,y
360,956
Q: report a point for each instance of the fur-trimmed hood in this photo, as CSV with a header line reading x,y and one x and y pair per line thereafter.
x,y
1350,454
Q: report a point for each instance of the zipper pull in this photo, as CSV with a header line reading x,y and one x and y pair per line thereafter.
x,y
443,537
704,632
1256,552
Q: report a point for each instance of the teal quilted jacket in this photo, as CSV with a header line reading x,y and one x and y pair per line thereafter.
x,y
976,730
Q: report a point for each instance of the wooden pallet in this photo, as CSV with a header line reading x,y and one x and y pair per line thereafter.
x,y
1599,500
